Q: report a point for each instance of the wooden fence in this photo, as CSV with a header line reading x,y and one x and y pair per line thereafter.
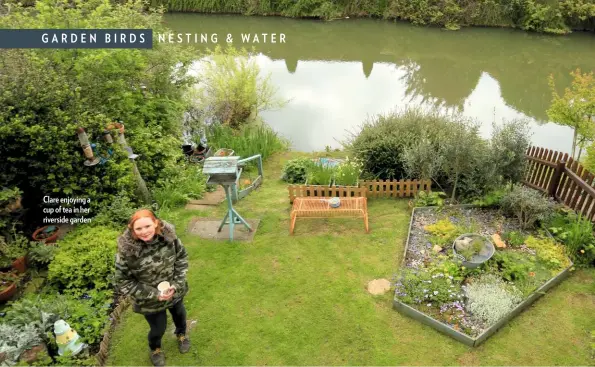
x,y
562,178
395,188
325,191
370,189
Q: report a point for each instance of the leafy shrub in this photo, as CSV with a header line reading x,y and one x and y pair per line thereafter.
x,y
14,340
576,233
514,238
381,142
444,232
433,198
41,255
509,144
187,184
421,286
295,170
87,314
118,212
85,259
421,159
513,265
489,298
527,205
548,252
417,144
444,264
491,199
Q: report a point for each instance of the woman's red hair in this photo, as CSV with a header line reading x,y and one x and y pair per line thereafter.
x,y
144,213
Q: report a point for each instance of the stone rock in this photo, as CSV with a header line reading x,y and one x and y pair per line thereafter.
x,y
464,244
34,354
437,248
498,241
378,286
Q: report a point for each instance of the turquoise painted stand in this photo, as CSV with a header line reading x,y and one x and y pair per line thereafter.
x,y
232,217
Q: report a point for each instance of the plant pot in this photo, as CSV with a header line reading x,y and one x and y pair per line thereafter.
x,y
476,260
20,264
50,239
8,292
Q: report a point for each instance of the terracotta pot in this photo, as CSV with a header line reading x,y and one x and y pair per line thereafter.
x,y
7,293
20,264
50,239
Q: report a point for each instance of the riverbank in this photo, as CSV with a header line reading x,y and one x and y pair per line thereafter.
x,y
557,17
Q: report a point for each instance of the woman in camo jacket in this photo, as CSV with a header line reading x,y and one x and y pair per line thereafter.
x,y
149,252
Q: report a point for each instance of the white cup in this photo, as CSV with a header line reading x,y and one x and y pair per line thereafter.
x,y
163,287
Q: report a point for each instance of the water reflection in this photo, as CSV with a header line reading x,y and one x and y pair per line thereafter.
x,y
342,71
328,100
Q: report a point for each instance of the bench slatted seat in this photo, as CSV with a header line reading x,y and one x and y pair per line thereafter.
x,y
308,207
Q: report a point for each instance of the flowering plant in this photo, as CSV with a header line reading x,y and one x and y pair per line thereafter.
x,y
348,173
417,286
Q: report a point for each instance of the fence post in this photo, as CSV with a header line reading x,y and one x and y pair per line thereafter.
x,y
555,181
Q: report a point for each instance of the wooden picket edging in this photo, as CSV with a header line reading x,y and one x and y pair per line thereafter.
x,y
325,191
103,353
396,188
561,177
369,189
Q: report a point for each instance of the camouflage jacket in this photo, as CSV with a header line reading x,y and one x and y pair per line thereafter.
x,y
141,266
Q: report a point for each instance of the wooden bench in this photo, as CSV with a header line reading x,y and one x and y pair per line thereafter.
x,y
307,207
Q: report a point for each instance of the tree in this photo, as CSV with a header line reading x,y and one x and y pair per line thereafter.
x,y
508,147
231,89
576,108
461,147
45,94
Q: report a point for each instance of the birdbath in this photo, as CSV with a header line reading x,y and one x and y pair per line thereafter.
x,y
473,249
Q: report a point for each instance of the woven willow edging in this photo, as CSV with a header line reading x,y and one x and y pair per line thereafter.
x,y
103,353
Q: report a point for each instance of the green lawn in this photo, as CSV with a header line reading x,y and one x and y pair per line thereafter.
x,y
301,300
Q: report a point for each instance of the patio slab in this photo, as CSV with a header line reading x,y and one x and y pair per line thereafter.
x,y
207,228
211,198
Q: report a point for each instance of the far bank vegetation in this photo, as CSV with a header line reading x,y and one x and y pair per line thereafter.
x,y
553,16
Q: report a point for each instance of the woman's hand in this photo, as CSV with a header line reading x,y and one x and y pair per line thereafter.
x,y
168,294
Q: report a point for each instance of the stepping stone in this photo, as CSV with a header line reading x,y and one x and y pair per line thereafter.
x,y
378,286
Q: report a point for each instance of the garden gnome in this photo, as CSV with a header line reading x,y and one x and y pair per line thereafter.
x,y
67,339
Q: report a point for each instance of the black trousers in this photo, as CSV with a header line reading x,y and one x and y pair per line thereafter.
x,y
158,323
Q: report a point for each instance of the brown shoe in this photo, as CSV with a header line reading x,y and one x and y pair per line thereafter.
x,y
157,357
183,343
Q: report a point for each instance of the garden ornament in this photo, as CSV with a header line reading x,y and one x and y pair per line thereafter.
x,y
334,202
67,338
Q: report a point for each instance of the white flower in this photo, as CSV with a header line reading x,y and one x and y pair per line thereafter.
x,y
435,292
429,304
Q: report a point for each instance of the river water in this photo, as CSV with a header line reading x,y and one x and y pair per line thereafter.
x,y
338,74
